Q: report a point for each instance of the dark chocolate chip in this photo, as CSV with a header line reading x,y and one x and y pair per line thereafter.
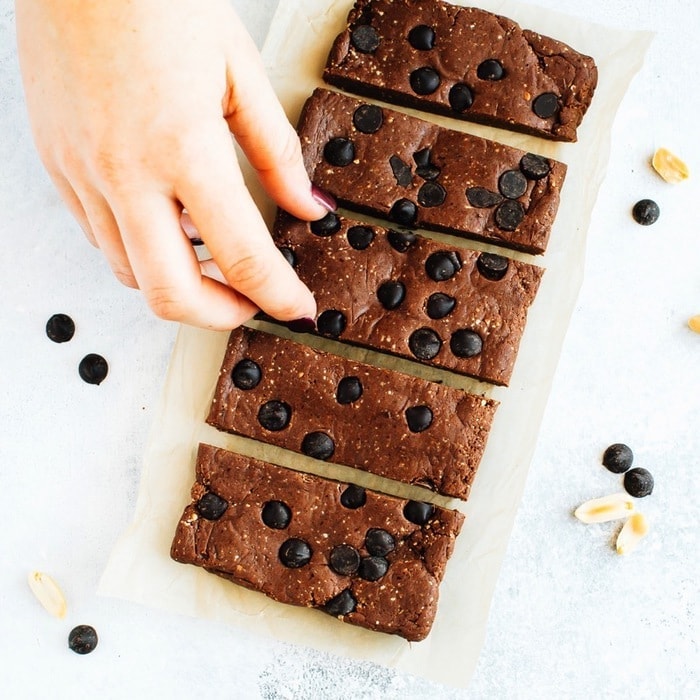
x,y
404,212
353,497
344,560
246,374
545,105
342,604
331,323
509,214
339,151
512,184
82,639
492,266
93,368
400,240
391,294
439,305
365,38
466,343
422,37
534,167
490,69
295,553
318,445
425,80
418,418
482,198
60,328
349,390
424,343
422,157
618,458
359,237
402,172
442,265
373,568
288,255
638,482
646,212
418,512
461,97
368,119
211,506
326,226
431,194
274,415
276,514
379,542
428,172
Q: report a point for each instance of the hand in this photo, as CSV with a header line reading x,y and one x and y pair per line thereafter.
x,y
132,107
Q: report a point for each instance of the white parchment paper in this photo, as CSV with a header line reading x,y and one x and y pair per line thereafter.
x,y
140,568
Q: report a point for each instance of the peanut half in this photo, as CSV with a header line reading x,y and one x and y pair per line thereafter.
x,y
669,166
48,593
602,510
631,534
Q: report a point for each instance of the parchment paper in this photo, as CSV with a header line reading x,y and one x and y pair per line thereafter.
x,y
140,569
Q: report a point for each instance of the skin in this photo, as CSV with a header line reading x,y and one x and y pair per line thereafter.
x,y
132,107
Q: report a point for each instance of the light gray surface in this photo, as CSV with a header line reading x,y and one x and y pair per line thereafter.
x,y
569,617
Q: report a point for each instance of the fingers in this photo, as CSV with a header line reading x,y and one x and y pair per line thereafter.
x,y
72,201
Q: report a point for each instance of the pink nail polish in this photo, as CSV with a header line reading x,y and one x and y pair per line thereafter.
x,y
323,198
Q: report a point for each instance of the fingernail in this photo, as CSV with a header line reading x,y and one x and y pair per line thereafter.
x,y
302,325
323,198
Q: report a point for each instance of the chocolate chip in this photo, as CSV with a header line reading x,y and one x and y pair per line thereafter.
x,y
379,542
326,226
353,497
246,374
466,343
274,415
534,167
425,169
439,305
331,323
342,604
276,514
418,512
461,97
359,237
402,172
82,639
344,560
365,38
646,212
318,445
373,568
492,266
404,212
490,69
295,553
618,458
391,294
422,157
509,214
339,151
431,194
400,240
288,255
545,105
425,80
424,343
422,37
368,119
512,184
211,506
60,328
638,482
93,368
349,390
442,265
482,198
418,418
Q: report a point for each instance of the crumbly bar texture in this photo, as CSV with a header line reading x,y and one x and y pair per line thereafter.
x,y
401,293
367,558
281,392
415,173
465,63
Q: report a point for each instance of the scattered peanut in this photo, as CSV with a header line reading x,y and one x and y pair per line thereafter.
x,y
602,510
48,593
694,323
669,166
632,533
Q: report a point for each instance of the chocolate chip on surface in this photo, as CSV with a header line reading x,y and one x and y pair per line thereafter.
x,y
365,38
491,266
276,515
295,553
461,97
331,323
424,81
60,328
353,497
288,255
481,198
342,604
442,265
246,374
431,194
373,568
93,368
400,240
82,639
439,305
545,105
391,294
404,212
402,172
490,69
418,418
326,226
344,560
424,343
349,390
211,506
418,512
646,212
512,184
359,237
638,482
379,542
618,458
509,214
275,415
339,151
534,167
368,118
318,444
466,343
422,37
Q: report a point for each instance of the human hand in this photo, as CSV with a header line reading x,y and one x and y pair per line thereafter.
x,y
132,105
